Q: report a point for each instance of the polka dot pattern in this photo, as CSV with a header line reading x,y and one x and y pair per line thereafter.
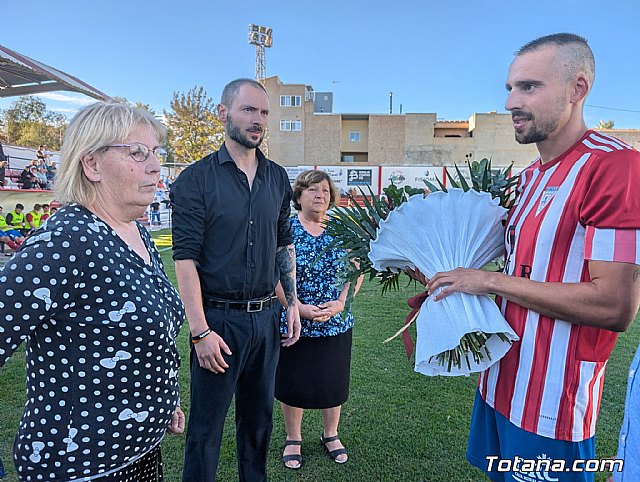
x,y
100,327
148,468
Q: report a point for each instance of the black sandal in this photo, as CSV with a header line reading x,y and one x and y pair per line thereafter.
x,y
289,458
333,453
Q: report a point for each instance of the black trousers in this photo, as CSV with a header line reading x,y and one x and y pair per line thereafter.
x,y
254,341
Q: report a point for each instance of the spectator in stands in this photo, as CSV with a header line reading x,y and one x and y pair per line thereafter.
x,y
25,174
31,182
33,218
40,154
47,155
154,211
41,174
33,170
3,167
8,230
52,170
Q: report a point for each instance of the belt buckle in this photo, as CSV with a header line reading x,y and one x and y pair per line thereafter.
x,y
259,303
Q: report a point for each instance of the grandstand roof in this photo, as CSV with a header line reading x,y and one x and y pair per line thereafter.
x,y
21,75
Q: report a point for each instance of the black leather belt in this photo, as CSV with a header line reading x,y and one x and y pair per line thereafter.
x,y
250,306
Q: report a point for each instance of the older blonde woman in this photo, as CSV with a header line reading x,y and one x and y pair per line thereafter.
x,y
314,373
88,294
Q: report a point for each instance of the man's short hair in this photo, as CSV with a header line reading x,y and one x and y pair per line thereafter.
x,y
308,178
94,127
232,88
19,206
577,56
37,207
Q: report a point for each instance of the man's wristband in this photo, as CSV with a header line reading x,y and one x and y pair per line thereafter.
x,y
198,338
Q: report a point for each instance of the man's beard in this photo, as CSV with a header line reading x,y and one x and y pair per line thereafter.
x,y
536,133
240,137
541,130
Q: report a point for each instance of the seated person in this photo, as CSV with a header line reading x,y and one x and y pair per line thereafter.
x,y
7,230
15,219
46,213
33,171
41,174
26,172
52,170
31,182
4,238
33,219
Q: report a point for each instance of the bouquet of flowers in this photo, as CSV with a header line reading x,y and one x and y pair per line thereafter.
x,y
462,333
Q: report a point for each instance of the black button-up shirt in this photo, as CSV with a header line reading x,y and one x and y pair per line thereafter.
x,y
231,231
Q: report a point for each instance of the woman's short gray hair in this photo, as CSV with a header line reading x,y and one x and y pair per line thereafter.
x,y
94,127
308,178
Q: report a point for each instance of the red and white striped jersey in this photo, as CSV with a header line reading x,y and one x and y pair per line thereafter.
x,y
584,205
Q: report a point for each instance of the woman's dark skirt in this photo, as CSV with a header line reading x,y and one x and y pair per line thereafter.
x,y
148,468
314,372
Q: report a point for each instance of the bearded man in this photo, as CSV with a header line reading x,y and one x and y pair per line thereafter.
x,y
571,279
232,244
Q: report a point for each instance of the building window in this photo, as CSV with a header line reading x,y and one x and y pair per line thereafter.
x,y
290,125
354,157
354,136
290,101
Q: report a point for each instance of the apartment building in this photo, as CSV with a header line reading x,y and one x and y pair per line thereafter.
x,y
304,131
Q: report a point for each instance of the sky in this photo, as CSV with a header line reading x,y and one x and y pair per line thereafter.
x,y
448,57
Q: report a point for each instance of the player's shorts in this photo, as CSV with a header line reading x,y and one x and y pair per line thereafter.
x,y
493,435
11,233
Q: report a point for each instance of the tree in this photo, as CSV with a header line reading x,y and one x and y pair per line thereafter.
x,y
605,124
147,107
24,111
194,127
27,122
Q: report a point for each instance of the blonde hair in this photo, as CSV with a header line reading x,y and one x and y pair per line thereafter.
x,y
94,127
308,178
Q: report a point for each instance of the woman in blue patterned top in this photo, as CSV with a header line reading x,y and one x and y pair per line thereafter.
x,y
314,373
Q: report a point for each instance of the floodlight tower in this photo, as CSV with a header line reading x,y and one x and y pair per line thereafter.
x,y
261,37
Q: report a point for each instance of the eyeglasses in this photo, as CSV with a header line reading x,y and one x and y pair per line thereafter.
x,y
139,152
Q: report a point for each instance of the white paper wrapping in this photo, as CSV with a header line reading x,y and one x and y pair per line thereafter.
x,y
442,232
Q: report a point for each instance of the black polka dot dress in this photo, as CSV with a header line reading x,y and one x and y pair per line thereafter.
x,y
100,328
